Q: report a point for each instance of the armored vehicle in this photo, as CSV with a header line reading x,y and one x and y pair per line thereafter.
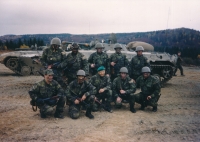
x,y
26,62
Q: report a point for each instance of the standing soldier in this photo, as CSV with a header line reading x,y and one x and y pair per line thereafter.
x,y
98,59
103,88
117,60
46,94
137,63
74,62
150,87
52,57
124,88
80,93
178,65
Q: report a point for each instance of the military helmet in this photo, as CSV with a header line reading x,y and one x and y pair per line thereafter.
x,y
124,70
139,48
99,45
74,45
146,69
56,41
117,45
81,73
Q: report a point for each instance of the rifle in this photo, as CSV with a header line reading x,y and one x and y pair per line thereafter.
x,y
34,103
102,105
79,99
69,65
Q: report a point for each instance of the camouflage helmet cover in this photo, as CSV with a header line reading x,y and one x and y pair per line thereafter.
x,y
124,70
80,73
146,69
139,48
56,41
117,45
99,45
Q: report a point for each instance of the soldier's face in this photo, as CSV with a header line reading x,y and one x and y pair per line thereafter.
x,y
55,47
102,73
139,53
123,75
81,79
48,78
75,50
179,54
118,50
99,50
146,74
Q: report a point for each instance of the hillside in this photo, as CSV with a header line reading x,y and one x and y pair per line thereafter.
x,y
170,40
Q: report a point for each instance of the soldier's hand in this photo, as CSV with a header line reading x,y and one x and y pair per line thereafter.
x,y
107,75
112,63
76,101
92,65
101,90
148,97
119,99
49,67
83,97
122,92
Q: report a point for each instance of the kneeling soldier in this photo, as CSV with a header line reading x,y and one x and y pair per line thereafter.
x,y
80,93
103,87
46,94
150,87
124,89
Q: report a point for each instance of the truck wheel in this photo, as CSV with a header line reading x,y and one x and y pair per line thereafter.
x,y
25,70
12,63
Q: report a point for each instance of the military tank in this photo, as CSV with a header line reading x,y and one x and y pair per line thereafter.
x,y
26,62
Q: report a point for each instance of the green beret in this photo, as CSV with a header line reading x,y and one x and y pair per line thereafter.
x,y
101,68
48,72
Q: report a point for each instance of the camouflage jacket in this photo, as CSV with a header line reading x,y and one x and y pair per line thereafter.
x,y
127,85
136,65
179,60
101,82
120,60
149,86
49,56
43,90
75,90
73,63
99,60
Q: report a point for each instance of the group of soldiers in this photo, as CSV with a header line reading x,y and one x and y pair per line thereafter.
x,y
114,79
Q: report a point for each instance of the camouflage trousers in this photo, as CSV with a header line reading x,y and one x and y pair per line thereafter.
x,y
141,99
74,109
129,97
48,109
178,66
105,98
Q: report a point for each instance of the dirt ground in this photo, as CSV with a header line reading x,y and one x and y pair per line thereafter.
x,y
177,118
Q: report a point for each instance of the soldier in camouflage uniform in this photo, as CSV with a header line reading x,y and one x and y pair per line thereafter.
x,y
98,59
150,87
74,62
124,88
137,63
178,65
51,57
117,60
103,87
80,93
46,94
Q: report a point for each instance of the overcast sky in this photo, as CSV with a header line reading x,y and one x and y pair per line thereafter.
x,y
96,16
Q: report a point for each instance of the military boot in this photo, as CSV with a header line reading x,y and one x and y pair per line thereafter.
x,y
154,109
42,114
132,109
58,115
108,107
88,113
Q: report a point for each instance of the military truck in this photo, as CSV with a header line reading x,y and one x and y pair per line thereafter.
x,y
27,62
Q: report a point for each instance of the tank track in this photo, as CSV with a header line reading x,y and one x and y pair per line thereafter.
x,y
166,72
